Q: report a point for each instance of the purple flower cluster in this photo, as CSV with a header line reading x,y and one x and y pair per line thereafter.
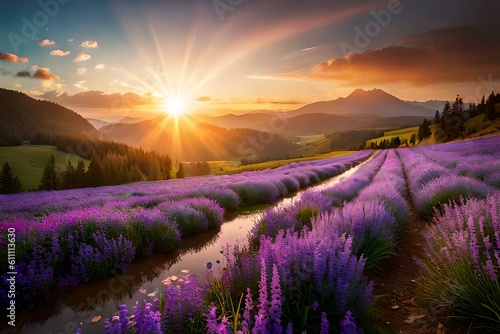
x,y
434,181
467,232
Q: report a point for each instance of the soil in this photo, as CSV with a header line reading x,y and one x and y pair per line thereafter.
x,y
395,289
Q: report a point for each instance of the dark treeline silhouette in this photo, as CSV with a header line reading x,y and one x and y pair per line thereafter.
x,y
9,183
453,117
110,164
22,116
187,169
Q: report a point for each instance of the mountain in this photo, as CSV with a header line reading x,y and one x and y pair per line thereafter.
x,y
97,123
360,102
192,139
435,104
361,109
22,116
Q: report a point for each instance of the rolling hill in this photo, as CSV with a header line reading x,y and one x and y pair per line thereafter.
x,y
21,116
192,139
28,161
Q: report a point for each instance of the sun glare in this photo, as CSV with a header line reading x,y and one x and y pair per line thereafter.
x,y
175,106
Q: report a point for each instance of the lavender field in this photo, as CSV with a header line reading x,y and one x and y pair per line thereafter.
x,y
304,264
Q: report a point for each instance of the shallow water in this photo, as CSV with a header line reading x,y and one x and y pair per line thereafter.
x,y
66,310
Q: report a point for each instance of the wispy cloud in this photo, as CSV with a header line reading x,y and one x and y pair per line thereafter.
x,y
12,58
60,53
46,42
71,40
204,99
82,56
90,44
81,85
81,70
99,66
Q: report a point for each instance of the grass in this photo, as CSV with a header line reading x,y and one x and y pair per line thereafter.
x,y
28,161
401,133
234,166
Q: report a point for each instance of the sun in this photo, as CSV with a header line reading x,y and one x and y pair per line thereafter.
x,y
175,106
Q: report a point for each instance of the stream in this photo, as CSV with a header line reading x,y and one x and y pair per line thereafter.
x,y
65,311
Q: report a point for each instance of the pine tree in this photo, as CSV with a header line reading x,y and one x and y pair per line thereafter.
x,y
79,174
94,175
68,177
9,183
50,179
437,118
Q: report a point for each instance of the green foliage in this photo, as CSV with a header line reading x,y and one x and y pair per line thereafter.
x,y
465,294
220,297
9,183
306,214
50,179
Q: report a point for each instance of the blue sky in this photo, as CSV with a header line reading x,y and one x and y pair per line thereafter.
x,y
239,55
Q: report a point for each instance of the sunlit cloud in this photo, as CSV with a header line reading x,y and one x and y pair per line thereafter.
x,y
309,49
99,66
35,92
450,55
81,70
204,98
46,42
81,85
90,44
60,53
82,56
17,85
43,73
12,58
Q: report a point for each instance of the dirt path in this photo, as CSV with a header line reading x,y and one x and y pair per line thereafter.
x,y
396,287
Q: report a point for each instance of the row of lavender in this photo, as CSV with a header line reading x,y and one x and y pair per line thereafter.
x,y
457,185
68,237
303,269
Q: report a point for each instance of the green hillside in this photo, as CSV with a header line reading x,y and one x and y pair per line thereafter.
x,y
27,162
401,133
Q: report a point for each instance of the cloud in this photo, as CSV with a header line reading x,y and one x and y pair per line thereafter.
x,y
35,92
12,58
81,84
449,55
90,44
71,40
82,56
204,98
46,42
60,53
98,99
4,72
23,74
99,66
81,70
17,85
41,73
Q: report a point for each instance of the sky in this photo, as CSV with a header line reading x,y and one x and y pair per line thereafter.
x,y
109,59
